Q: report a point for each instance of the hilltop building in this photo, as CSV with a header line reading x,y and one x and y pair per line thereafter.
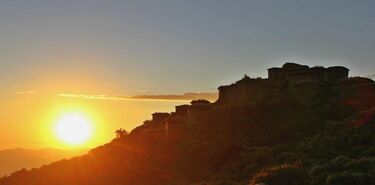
x,y
160,116
295,72
291,81
181,110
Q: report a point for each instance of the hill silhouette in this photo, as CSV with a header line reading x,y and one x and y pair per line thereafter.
x,y
300,126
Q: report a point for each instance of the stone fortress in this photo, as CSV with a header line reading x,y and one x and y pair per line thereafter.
x,y
291,82
299,82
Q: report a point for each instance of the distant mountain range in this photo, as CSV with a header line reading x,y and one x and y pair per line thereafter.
x,y
12,160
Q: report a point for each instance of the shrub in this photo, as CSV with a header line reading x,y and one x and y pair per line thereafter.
x,y
288,157
346,178
281,175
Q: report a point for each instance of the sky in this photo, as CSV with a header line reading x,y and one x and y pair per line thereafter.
x,y
126,48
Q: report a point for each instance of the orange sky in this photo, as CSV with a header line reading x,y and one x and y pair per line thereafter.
x,y
28,117
132,48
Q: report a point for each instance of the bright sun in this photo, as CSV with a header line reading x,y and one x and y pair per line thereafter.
x,y
73,128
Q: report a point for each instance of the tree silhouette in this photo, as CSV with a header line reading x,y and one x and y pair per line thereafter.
x,y
120,133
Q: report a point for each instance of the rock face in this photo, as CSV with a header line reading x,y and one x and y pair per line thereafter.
x,y
291,81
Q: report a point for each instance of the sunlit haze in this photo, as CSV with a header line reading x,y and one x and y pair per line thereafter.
x,y
90,56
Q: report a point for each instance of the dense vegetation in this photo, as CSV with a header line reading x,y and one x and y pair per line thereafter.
x,y
330,140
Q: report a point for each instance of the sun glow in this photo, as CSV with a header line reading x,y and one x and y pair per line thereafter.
x,y
73,128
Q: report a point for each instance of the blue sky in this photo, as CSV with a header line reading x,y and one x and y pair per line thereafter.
x,y
169,47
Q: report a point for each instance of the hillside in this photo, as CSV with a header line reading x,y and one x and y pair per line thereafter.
x,y
300,126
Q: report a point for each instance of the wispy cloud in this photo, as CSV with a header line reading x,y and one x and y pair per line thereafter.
x,y
90,96
25,92
211,96
186,96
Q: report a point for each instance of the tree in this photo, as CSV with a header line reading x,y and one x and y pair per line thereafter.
x,y
120,133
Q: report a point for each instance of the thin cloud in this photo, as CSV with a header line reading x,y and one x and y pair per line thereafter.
x,y
211,96
25,92
186,96
87,96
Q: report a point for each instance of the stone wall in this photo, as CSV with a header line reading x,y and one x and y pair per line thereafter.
x,y
160,116
338,73
275,73
181,110
296,72
175,128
